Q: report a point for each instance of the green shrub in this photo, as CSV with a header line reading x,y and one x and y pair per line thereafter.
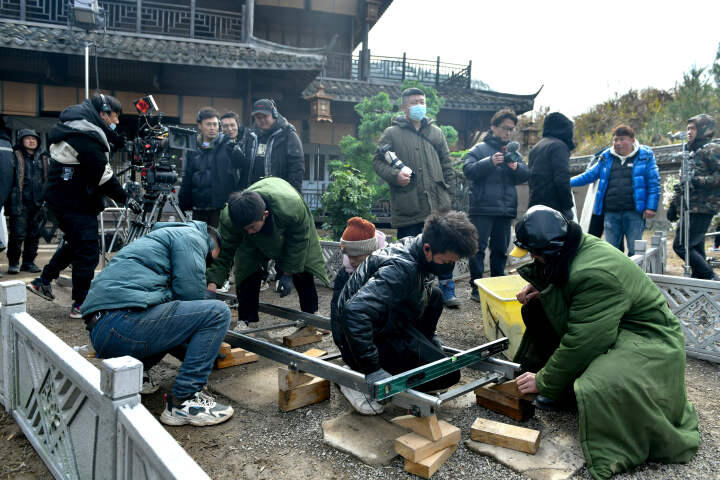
x,y
348,195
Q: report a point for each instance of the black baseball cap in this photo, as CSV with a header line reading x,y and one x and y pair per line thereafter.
x,y
264,106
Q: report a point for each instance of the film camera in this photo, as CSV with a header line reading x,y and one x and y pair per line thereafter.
x,y
151,149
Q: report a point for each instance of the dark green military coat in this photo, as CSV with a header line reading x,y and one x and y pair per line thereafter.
x,y
623,353
293,242
426,152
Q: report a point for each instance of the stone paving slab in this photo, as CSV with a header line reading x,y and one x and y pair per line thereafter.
x,y
369,438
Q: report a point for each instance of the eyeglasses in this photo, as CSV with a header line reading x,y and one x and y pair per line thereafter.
x,y
508,129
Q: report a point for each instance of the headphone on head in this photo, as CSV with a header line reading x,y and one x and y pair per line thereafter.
x,y
274,108
105,107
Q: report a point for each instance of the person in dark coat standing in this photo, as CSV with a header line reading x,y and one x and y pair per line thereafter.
x,y
278,150
549,164
6,167
23,205
388,311
493,197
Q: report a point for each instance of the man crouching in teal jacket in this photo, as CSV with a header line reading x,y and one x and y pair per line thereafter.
x,y
150,300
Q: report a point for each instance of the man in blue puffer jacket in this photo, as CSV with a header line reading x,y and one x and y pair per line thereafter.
x,y
629,188
150,299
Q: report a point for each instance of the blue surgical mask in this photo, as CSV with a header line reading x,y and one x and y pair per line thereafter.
x,y
417,112
112,126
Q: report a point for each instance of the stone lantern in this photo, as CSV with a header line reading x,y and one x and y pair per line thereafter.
x,y
320,105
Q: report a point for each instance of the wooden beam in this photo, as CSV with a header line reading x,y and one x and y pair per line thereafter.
x,y
510,388
426,467
427,427
504,435
315,353
237,356
289,379
415,447
302,336
315,391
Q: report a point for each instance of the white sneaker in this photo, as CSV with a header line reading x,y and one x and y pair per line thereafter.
x,y
199,410
149,385
225,288
360,402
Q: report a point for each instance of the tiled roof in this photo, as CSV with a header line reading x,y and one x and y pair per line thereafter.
x,y
256,55
466,99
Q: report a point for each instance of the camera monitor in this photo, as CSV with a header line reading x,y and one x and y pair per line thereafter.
x,y
182,138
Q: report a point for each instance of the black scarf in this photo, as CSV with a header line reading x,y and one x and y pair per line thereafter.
x,y
494,141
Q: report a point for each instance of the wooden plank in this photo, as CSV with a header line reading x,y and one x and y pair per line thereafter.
x,y
427,427
289,379
497,396
415,447
315,352
525,411
426,467
510,388
317,390
504,435
302,336
237,356
225,349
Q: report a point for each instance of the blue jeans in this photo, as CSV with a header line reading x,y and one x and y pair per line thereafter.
x,y
144,334
629,224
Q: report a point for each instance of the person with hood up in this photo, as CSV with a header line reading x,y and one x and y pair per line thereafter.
x,y
210,173
79,176
426,183
704,201
277,150
493,196
629,188
25,201
150,300
599,335
549,163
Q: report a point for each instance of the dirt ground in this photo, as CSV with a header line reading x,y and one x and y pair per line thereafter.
x,y
260,442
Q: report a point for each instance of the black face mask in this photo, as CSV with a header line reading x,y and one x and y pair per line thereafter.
x,y
440,269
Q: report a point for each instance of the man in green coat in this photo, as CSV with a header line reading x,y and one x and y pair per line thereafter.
x,y
600,332
268,221
422,181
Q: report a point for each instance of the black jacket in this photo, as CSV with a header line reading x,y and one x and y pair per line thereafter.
x,y
550,165
492,188
284,151
210,175
80,176
6,166
385,291
29,177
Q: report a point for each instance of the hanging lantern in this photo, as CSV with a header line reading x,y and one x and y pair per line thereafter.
x,y
320,105
373,11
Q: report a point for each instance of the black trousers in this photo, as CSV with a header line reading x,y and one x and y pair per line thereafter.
x,y
699,223
497,229
597,225
248,294
80,249
23,229
211,217
404,344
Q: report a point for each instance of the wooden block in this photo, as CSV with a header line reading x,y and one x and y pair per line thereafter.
x,y
289,379
504,435
428,466
237,356
525,411
302,336
427,427
315,352
225,349
497,396
317,390
510,388
415,447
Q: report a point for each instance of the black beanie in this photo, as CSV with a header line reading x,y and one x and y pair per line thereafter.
x,y
245,208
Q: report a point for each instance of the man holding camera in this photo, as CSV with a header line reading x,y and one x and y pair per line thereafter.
x,y
493,197
269,221
629,188
79,176
425,184
210,174
704,201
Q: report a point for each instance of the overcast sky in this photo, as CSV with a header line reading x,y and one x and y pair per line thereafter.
x,y
583,51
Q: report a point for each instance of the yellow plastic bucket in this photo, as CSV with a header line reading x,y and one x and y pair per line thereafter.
x,y
501,310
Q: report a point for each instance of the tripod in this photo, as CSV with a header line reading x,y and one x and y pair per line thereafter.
x,y
686,172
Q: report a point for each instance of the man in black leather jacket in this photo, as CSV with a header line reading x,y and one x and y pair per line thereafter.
x,y
388,312
493,197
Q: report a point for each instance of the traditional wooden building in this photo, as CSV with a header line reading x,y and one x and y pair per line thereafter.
x,y
227,54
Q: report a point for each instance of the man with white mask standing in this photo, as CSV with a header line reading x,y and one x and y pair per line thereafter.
x,y
629,188
423,180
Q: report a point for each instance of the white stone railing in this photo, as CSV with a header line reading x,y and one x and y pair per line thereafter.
x,y
652,258
83,422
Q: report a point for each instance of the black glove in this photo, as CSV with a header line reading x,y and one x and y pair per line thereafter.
x,y
672,213
286,285
133,205
376,376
